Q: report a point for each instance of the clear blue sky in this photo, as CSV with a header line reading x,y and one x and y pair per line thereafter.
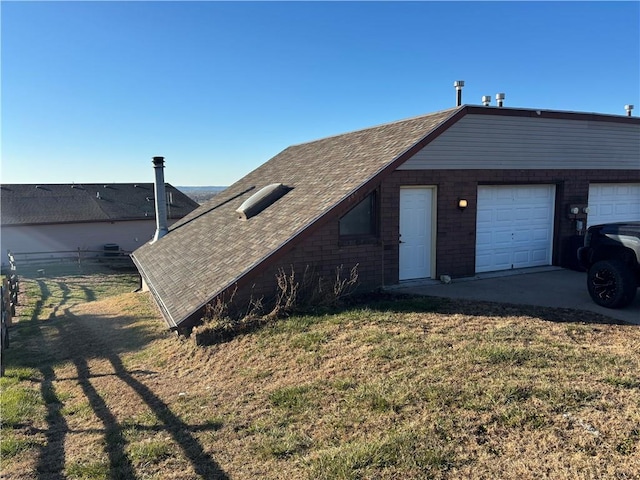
x,y
92,90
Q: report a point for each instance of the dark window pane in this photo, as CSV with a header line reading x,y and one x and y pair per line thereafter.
x,y
361,219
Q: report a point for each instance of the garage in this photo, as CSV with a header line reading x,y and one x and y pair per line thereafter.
x,y
514,226
613,202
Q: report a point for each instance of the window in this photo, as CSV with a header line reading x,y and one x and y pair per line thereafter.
x,y
361,219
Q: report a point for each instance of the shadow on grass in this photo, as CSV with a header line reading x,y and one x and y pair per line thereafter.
x,y
410,303
222,332
402,303
49,338
77,342
51,459
89,295
119,463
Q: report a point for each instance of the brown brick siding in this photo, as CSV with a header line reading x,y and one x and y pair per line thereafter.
x,y
377,259
320,255
455,237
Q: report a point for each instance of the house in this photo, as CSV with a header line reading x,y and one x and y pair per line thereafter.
x,y
54,220
457,192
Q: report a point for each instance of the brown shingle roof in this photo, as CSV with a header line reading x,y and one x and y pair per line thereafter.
x,y
31,204
210,249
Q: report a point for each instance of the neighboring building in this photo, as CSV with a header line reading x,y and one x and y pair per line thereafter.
x,y
57,219
466,190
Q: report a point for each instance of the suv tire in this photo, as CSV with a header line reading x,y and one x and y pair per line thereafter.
x,y
611,284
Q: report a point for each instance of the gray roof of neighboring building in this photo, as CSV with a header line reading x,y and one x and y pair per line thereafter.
x,y
35,204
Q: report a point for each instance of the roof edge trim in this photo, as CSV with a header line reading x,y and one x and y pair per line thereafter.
x,y
556,114
168,319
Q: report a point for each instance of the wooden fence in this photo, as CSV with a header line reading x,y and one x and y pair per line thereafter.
x,y
9,294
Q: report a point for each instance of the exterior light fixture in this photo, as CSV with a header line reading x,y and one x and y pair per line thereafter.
x,y
574,210
463,203
585,210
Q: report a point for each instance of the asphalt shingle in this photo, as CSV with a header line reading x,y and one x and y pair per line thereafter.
x,y
31,204
211,248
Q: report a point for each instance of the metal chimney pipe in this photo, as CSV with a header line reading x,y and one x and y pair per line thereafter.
x,y
499,98
458,84
486,100
161,202
628,108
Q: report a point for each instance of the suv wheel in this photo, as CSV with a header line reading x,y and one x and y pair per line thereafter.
x,y
611,284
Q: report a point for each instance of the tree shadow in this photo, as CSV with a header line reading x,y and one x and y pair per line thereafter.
x,y
120,465
89,295
51,459
52,456
63,337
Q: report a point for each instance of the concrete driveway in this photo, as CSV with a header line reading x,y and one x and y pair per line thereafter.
x,y
545,287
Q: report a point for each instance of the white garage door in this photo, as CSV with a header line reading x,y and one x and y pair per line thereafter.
x,y
613,202
514,227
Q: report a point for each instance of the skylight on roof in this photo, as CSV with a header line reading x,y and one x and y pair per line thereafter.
x,y
260,200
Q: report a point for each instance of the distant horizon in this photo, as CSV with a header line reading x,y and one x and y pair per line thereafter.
x,y
196,187
112,183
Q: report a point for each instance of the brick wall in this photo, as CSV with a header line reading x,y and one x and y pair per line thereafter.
x,y
322,251
320,255
455,237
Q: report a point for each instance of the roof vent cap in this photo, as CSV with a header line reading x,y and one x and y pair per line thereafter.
x,y
628,108
458,84
261,200
486,100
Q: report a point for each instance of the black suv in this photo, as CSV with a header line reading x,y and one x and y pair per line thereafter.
x,y
611,256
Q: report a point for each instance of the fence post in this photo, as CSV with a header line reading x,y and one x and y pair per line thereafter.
x,y
4,327
8,299
13,286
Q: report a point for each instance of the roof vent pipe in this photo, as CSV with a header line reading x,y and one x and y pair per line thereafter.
x,y
486,100
628,108
161,205
458,84
500,98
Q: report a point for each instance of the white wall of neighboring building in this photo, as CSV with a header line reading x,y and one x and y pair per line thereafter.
x,y
127,235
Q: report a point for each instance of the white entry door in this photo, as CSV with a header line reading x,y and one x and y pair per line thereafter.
x,y
416,232
514,226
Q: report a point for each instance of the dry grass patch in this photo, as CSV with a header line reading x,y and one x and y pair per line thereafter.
x,y
404,388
